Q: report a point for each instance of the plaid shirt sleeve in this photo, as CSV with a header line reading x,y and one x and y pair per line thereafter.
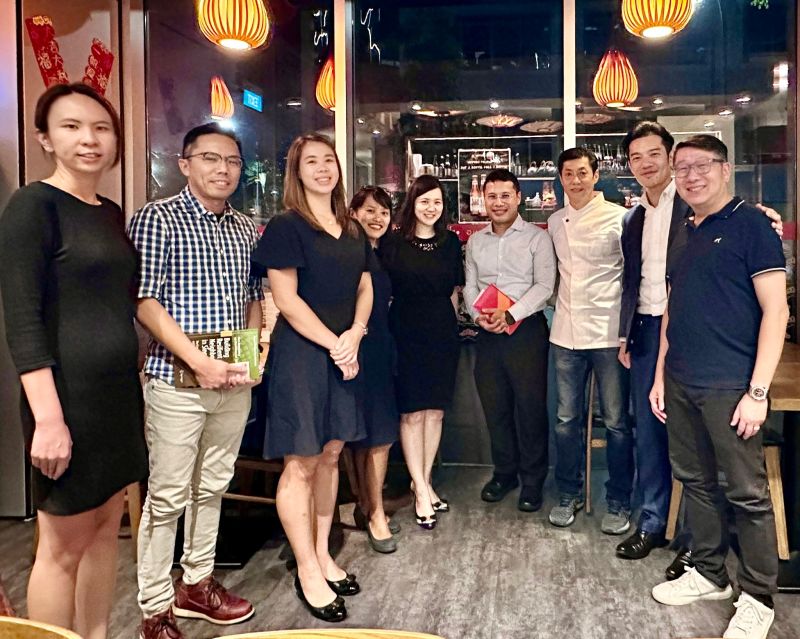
x,y
151,238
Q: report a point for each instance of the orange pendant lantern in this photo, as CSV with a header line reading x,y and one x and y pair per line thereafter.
x,y
326,86
656,18
235,24
615,84
221,100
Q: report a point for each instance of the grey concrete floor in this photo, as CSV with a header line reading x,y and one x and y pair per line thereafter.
x,y
487,571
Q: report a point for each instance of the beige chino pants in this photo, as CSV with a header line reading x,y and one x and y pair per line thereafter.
x,y
193,437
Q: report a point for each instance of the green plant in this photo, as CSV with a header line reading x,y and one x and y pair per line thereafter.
x,y
760,4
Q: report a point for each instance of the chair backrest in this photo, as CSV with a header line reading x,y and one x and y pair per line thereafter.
x,y
15,628
343,633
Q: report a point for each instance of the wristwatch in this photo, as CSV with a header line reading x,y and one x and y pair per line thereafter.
x,y
758,393
509,318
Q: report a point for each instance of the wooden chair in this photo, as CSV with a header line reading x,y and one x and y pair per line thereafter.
x,y
772,455
344,633
15,628
591,443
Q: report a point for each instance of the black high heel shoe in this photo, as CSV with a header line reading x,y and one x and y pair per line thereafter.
x,y
426,523
345,587
334,612
441,506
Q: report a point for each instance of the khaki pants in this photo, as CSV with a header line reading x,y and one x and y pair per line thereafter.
x,y
193,436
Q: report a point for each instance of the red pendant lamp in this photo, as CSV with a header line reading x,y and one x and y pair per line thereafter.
x,y
615,84
656,18
235,24
221,100
326,86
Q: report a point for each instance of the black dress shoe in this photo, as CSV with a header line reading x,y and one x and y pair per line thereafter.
x,y
530,500
334,612
682,562
497,488
345,587
639,545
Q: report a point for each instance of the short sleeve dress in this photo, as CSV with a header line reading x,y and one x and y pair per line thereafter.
x,y
422,319
67,272
378,358
309,403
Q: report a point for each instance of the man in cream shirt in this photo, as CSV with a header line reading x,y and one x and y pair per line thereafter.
x,y
585,338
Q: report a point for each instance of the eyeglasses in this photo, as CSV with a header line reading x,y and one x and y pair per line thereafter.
x,y
701,168
209,158
504,197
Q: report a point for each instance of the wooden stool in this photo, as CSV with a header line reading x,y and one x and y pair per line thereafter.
x,y
772,456
15,628
591,443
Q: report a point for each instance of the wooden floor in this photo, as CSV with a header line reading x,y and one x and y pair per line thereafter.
x,y
486,572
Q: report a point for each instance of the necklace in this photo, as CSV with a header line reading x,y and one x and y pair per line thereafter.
x,y
426,244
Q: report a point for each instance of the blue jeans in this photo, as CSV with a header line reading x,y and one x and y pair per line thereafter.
x,y
652,447
572,374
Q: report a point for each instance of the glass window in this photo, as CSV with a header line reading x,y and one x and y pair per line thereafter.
x,y
454,89
726,73
272,89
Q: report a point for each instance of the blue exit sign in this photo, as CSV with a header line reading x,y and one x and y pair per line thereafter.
x,y
253,101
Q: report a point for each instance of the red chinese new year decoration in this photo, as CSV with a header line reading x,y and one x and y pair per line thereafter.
x,y
615,84
98,68
45,48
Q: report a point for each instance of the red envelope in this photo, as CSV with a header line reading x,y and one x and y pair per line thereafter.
x,y
493,298
98,69
45,48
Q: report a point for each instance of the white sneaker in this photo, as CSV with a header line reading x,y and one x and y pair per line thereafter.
x,y
751,621
691,586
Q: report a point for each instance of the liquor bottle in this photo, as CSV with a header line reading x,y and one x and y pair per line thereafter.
x,y
447,167
517,165
481,201
474,197
436,166
537,201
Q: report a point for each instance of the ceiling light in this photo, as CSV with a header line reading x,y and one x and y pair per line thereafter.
x,y
494,105
725,112
416,106
658,101
744,99
294,103
656,18
615,83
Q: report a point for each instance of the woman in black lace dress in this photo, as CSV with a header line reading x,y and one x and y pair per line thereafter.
x,y
424,262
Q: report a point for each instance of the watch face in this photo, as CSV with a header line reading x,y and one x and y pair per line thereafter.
x,y
758,392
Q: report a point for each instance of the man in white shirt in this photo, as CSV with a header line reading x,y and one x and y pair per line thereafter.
x,y
511,370
585,339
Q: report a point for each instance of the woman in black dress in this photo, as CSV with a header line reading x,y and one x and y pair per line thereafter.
x,y
317,260
372,207
424,262
67,272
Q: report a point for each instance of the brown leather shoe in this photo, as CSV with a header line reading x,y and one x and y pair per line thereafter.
x,y
161,626
209,600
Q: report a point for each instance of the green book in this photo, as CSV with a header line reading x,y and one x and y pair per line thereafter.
x,y
234,347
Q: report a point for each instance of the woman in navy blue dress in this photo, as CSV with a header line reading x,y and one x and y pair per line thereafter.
x,y
317,260
372,207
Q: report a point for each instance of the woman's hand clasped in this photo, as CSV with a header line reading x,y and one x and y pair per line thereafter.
x,y
51,449
349,371
346,349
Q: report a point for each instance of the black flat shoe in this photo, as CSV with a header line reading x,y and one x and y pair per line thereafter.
x,y
497,488
345,587
334,612
530,500
441,506
682,562
426,523
639,545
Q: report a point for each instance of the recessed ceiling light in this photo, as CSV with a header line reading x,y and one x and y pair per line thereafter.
x,y
725,112
744,99
376,131
361,121
709,125
416,106
294,103
494,105
658,101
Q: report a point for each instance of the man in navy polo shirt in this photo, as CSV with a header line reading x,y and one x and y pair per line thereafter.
x,y
723,334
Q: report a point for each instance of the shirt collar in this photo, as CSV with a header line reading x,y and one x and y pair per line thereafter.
x,y
196,207
517,225
723,214
597,200
667,194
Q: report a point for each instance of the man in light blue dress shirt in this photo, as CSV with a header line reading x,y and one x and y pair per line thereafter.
x,y
511,369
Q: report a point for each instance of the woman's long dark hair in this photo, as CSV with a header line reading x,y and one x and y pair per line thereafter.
x,y
407,220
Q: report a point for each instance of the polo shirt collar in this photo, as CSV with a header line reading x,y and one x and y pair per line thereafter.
x,y
195,206
723,214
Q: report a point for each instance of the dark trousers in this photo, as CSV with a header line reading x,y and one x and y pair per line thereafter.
x,y
652,448
511,376
702,443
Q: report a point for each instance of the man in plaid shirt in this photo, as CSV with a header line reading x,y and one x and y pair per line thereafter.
x,y
194,278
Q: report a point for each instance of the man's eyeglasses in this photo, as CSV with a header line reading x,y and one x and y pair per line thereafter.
x,y
504,197
701,168
209,157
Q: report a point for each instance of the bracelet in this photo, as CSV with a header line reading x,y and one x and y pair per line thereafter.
x,y
363,326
